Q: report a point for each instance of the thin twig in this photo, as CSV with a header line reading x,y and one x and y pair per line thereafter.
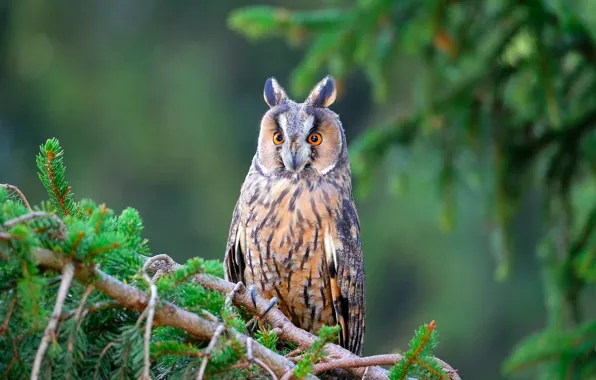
x,y
208,315
67,275
208,351
19,193
294,352
241,365
78,320
365,373
230,296
96,306
249,356
148,325
4,327
288,375
154,259
101,355
15,356
262,364
35,215
77,315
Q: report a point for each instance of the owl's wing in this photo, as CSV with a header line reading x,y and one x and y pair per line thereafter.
x,y
346,271
234,263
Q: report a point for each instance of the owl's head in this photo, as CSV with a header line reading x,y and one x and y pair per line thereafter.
x,y
305,138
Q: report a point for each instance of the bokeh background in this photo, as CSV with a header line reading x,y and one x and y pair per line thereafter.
x,y
157,105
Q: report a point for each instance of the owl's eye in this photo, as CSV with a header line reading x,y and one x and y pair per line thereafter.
x,y
315,138
278,138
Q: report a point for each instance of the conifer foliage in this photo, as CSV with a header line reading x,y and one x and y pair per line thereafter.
x,y
77,303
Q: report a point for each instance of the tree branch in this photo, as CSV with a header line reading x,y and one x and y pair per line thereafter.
x,y
287,330
376,360
165,312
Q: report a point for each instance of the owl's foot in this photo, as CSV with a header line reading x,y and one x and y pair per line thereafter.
x,y
253,296
256,320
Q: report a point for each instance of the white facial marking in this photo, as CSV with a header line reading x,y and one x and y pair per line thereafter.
x,y
308,123
283,121
328,169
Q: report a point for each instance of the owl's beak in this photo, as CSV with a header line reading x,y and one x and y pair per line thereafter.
x,y
296,157
294,160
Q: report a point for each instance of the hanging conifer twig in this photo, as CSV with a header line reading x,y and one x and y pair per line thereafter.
x,y
67,276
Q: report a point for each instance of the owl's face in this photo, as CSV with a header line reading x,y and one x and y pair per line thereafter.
x,y
298,138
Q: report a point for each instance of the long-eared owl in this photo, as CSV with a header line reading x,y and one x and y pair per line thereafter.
x,y
295,232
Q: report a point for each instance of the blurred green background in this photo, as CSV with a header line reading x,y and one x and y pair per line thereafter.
x,y
157,105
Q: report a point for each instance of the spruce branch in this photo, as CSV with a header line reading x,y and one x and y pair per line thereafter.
x,y
67,276
284,328
165,313
52,175
19,194
424,340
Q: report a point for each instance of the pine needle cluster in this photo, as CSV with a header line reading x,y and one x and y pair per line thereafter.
x,y
57,327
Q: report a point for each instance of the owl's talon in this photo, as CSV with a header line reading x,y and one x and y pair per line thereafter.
x,y
272,303
253,295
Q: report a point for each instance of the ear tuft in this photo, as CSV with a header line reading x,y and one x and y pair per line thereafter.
x,y
273,93
323,94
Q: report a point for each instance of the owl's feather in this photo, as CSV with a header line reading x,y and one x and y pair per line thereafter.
x,y
234,258
346,271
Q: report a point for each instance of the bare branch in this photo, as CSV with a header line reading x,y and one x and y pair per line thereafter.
x,y
18,192
67,275
148,325
165,313
35,215
230,296
208,351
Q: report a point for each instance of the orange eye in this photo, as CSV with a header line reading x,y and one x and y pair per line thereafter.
x,y
278,138
315,138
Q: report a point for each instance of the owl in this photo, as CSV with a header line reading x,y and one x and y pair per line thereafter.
x,y
295,231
